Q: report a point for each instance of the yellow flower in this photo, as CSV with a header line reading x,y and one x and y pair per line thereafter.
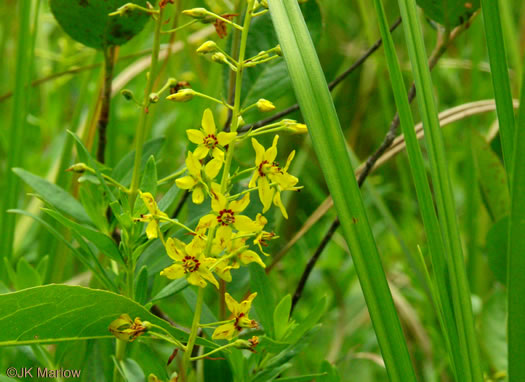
x,y
262,237
264,105
227,214
153,217
208,140
240,316
189,262
194,181
270,178
127,330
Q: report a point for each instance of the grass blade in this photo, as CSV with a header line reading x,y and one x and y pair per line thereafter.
x,y
442,186
458,355
500,78
17,130
516,249
318,109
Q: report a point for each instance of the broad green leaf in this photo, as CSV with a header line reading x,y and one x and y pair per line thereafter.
x,y
42,267
449,12
329,373
26,275
492,178
141,286
124,169
493,331
497,248
302,378
104,243
308,322
132,371
281,315
265,300
55,196
172,288
88,22
58,313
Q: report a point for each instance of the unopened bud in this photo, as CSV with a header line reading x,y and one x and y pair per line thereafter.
x,y
278,50
207,47
247,344
240,121
128,330
196,13
183,95
154,97
153,378
219,58
78,168
294,126
127,94
265,106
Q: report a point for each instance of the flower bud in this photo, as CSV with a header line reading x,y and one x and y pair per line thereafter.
x,y
219,58
207,47
196,13
78,168
264,105
264,3
247,344
127,94
240,121
294,126
153,378
127,330
278,50
183,95
154,97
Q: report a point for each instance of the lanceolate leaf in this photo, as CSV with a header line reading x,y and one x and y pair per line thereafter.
x,y
449,12
323,124
58,313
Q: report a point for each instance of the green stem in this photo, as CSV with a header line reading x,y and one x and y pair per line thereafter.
x,y
194,329
120,353
141,127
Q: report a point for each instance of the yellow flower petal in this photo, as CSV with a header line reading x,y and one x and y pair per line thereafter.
x,y
259,151
212,168
208,124
207,221
195,136
218,201
194,278
149,201
151,230
250,256
277,201
197,196
224,230
271,153
217,153
173,272
201,151
225,138
186,182
265,193
254,178
245,224
174,249
232,304
241,204
224,332
193,164
207,275
289,160
244,307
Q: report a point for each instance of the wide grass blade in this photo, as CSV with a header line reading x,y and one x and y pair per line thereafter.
x,y
319,112
442,186
17,129
458,355
516,251
500,78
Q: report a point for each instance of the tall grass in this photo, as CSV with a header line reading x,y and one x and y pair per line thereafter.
x,y
319,112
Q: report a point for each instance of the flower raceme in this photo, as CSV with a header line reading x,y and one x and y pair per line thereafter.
x,y
240,318
270,178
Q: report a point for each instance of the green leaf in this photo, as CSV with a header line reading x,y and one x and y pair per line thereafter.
x,y
104,243
281,315
265,301
328,140
493,331
172,288
148,182
449,12
141,286
55,196
87,21
492,178
330,373
26,275
132,371
302,378
58,313
313,317
497,248
124,169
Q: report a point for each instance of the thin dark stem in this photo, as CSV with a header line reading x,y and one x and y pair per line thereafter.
x,y
103,119
441,47
331,86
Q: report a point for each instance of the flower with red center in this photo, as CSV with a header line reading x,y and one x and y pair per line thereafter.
x,y
189,263
270,178
240,318
208,140
226,214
